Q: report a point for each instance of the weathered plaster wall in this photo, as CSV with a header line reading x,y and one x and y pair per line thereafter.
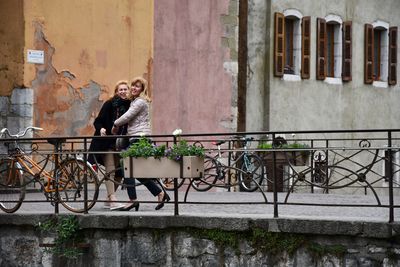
x,y
89,46
194,67
11,45
312,104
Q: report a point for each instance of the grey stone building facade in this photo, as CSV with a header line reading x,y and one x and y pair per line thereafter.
x,y
364,97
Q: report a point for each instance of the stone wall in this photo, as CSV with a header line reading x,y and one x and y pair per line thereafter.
x,y
190,241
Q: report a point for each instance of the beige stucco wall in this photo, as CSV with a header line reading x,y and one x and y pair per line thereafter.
x,y
89,46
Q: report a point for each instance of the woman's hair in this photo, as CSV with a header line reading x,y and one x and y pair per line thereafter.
x,y
125,82
144,94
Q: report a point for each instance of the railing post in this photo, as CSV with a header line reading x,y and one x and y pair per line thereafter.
x,y
85,171
56,177
275,185
176,207
390,159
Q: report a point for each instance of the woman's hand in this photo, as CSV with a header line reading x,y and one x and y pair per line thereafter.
x,y
103,132
114,130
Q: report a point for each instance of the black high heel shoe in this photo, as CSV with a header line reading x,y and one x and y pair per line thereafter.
x,y
165,198
131,206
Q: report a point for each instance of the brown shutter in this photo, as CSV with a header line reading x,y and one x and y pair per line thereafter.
x,y
321,48
347,38
279,44
368,54
305,47
392,55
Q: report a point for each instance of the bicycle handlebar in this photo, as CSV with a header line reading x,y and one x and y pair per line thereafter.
x,y
20,134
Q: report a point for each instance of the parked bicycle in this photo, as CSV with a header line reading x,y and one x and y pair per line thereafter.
x,y
242,167
63,183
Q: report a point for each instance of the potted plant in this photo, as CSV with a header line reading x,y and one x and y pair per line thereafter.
x,y
297,158
144,159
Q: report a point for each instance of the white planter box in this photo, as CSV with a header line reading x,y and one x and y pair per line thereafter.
x,y
193,167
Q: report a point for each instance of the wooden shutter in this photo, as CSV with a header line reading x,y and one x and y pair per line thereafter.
x,y
279,44
321,48
305,47
368,54
346,50
392,56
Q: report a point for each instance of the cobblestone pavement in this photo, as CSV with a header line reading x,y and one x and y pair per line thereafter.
x,y
245,205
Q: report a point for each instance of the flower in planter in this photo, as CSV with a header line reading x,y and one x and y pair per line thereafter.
x,y
145,148
177,132
177,151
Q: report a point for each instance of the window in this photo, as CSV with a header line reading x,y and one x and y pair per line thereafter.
x,y
380,54
333,49
292,45
380,57
289,46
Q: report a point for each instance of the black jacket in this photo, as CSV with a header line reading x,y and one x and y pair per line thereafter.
x,y
109,112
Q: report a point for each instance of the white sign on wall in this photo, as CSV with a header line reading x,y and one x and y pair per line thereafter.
x,y
35,56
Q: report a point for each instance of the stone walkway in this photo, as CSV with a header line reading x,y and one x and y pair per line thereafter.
x,y
246,205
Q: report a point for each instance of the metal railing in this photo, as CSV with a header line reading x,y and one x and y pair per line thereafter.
x,y
352,162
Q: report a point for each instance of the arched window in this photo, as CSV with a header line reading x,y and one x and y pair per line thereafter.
x,y
292,45
333,49
380,54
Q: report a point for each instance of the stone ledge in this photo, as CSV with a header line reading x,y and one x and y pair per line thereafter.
x,y
284,225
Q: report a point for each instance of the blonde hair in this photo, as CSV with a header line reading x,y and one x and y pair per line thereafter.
x,y
144,94
118,84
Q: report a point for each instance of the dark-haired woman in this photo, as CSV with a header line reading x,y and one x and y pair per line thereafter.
x,y
111,110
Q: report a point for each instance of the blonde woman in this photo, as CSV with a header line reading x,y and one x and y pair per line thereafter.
x,y
109,112
138,119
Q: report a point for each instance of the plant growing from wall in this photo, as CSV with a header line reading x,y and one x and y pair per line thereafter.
x,y
66,239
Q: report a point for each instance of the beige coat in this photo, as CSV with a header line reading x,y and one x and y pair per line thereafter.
x,y
137,117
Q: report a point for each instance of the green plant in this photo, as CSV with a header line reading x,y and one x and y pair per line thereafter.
x,y
66,230
318,250
295,145
145,148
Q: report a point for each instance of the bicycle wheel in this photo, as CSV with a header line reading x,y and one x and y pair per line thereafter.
x,y
168,183
251,173
212,172
12,186
71,185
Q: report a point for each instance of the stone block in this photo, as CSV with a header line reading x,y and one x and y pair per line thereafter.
x,y
4,105
22,110
22,96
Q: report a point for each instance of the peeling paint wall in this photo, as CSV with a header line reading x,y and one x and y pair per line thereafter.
x,y
89,46
195,66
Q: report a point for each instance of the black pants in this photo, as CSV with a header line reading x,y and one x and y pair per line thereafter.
x,y
149,183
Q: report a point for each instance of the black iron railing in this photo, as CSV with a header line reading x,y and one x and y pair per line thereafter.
x,y
352,162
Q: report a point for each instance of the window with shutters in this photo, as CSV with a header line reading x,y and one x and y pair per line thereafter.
x,y
333,49
292,45
379,63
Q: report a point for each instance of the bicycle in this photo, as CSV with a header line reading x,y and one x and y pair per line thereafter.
x,y
64,183
246,166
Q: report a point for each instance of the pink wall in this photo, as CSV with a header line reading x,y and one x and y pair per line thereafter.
x,y
191,89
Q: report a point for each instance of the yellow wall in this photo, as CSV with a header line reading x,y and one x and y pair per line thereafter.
x,y
89,45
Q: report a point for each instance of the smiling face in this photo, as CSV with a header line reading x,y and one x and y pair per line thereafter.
x,y
123,91
136,89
